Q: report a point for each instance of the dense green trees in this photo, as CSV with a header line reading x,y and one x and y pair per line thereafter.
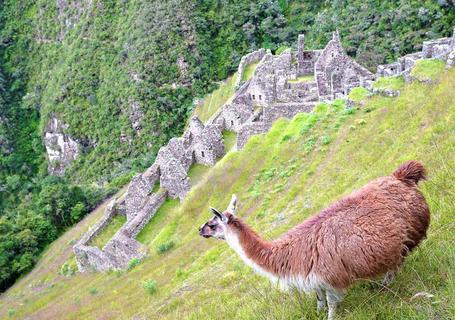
x,y
90,62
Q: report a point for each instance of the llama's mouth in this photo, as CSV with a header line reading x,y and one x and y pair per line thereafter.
x,y
204,235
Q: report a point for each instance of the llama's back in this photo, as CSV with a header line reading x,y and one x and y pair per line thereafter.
x,y
367,233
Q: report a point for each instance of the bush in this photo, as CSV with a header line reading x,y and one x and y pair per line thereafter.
x,y
326,140
149,286
166,246
93,290
133,263
67,270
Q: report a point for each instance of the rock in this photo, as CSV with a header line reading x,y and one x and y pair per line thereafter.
x,y
60,147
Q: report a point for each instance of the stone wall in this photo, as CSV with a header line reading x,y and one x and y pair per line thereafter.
x,y
270,71
285,110
250,58
248,130
306,58
434,49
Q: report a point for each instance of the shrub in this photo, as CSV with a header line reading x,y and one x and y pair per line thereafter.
x,y
149,286
166,246
93,290
326,140
67,270
133,263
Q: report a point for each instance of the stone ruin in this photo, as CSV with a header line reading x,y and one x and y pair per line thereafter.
x,y
443,49
281,86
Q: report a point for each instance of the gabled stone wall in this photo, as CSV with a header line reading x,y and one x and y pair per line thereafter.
x,y
336,73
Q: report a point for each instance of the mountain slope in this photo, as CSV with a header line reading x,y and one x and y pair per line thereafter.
x,y
295,170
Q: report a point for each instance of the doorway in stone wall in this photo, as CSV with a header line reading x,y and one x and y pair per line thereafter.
x,y
336,83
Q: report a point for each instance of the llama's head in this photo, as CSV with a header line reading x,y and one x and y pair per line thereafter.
x,y
217,225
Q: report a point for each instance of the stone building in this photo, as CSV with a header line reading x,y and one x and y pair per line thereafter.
x,y
442,49
336,73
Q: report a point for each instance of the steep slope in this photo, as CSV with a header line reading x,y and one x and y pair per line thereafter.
x,y
292,172
111,81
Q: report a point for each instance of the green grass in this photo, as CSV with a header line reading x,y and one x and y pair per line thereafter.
x,y
214,101
106,234
295,170
392,83
249,71
156,187
230,139
358,95
161,220
306,78
197,173
428,69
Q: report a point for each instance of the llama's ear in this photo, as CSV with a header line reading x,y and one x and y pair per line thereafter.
x,y
219,214
233,204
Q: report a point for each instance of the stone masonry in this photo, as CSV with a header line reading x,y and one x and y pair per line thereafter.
x,y
443,49
281,86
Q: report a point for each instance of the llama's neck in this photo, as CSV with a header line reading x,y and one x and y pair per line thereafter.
x,y
254,251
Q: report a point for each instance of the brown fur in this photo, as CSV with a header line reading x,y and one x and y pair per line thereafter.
x,y
361,236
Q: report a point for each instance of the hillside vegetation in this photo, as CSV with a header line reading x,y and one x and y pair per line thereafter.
x,y
124,76
298,168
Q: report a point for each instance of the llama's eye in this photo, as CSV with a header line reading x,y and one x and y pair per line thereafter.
x,y
212,226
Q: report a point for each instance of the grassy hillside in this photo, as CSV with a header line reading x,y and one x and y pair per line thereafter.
x,y
123,75
297,169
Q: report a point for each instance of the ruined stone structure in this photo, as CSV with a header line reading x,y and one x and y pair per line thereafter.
x,y
281,86
250,58
336,73
443,49
61,149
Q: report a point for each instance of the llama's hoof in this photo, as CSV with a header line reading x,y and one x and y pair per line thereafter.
x,y
322,306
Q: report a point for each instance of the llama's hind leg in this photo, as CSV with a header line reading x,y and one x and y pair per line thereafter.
x,y
388,278
322,301
333,298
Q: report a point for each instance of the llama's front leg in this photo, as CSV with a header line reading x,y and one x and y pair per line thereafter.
x,y
322,302
333,298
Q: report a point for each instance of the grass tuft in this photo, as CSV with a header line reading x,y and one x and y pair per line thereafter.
x,y
164,247
149,286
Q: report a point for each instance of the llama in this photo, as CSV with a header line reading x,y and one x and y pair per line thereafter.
x,y
362,236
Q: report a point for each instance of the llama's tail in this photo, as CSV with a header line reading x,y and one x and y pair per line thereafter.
x,y
410,171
